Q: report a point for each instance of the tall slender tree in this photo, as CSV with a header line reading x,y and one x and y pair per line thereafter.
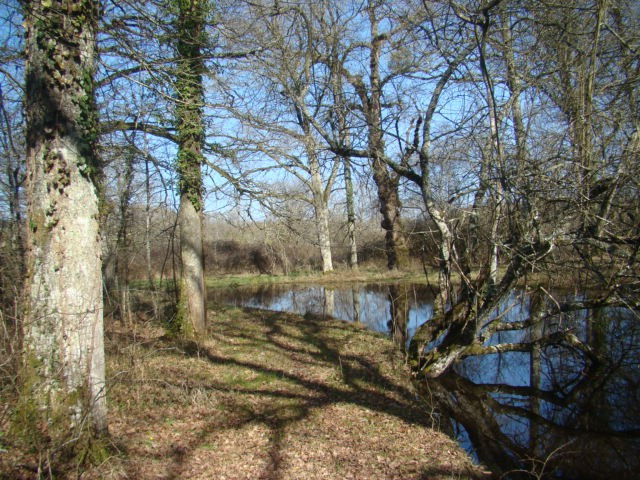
x,y
191,40
64,371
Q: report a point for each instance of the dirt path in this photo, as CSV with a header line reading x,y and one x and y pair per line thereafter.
x,y
269,396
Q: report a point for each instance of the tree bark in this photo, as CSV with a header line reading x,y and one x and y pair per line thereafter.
x,y
496,156
147,238
192,289
351,215
190,128
123,242
64,371
324,237
321,207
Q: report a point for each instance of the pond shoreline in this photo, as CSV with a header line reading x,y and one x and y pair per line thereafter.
x,y
344,276
337,277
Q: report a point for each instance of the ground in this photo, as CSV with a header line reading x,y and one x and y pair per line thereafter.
x,y
268,396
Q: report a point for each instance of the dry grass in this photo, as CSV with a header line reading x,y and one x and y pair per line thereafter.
x,y
268,396
338,276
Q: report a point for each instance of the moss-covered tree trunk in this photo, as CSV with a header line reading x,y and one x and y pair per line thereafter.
x,y
190,126
63,374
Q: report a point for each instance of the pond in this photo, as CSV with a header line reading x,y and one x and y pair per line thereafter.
x,y
542,409
369,304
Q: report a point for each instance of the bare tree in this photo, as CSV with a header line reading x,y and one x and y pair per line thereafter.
x,y
387,182
137,138
360,112
277,105
545,193
351,213
12,165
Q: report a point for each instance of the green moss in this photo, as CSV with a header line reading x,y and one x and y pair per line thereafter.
x,y
93,451
45,419
89,164
31,420
177,324
65,73
25,422
173,321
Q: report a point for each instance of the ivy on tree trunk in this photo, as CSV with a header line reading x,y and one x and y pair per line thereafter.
x,y
63,376
190,128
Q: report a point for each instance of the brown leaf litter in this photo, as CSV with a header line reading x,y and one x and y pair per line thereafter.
x,y
269,396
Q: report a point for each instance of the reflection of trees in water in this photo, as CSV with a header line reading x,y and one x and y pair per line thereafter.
x,y
399,313
329,301
565,392
373,305
355,299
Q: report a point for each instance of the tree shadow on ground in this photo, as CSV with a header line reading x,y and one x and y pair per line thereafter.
x,y
279,374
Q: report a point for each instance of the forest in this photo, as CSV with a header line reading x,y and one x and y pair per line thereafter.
x,y
488,149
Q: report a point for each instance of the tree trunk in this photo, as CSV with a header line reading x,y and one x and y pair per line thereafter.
x,y
123,242
321,210
324,236
344,138
64,373
496,157
387,183
147,237
190,127
14,183
192,289
351,215
395,243
147,224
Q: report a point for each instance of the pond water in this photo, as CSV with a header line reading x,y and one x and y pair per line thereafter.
x,y
369,304
549,408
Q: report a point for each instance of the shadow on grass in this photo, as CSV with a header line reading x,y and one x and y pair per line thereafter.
x,y
274,370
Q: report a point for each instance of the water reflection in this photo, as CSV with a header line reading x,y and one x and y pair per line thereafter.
x,y
383,308
399,314
566,408
562,401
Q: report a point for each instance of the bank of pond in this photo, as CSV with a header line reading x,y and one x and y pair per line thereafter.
x,y
557,399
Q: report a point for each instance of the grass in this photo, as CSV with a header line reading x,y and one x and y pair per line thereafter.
x,y
341,275
268,396
335,277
